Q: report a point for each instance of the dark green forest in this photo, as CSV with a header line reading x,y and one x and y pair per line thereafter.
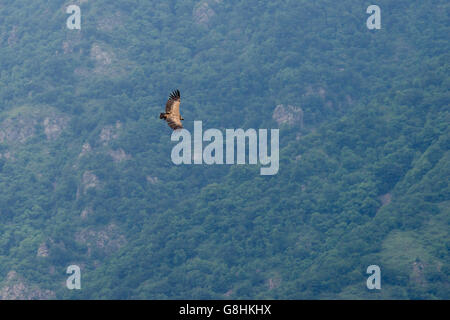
x,y
86,176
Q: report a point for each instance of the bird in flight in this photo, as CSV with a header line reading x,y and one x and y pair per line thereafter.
x,y
172,114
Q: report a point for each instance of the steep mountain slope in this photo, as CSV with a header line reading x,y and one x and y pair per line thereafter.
x,y
85,170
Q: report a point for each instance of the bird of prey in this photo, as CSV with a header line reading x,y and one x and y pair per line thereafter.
x,y
172,114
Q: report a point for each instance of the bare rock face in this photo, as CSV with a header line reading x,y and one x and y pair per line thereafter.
x,y
53,126
203,13
385,199
228,293
85,213
106,63
43,250
289,115
316,91
273,283
16,288
85,149
152,180
101,56
6,155
89,180
23,126
110,132
119,155
18,129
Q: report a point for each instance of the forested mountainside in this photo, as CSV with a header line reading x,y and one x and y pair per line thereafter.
x,y
86,176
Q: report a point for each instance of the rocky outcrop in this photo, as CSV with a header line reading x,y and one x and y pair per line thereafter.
x,y
43,250
17,288
18,129
6,155
289,115
53,126
110,132
273,283
86,212
152,180
203,13
106,62
85,149
89,180
228,293
107,134
119,155
385,199
24,125
317,91
102,56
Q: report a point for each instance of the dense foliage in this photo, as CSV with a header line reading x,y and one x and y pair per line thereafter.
x,y
85,170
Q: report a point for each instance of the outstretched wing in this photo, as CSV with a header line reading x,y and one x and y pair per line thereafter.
x,y
173,104
172,114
